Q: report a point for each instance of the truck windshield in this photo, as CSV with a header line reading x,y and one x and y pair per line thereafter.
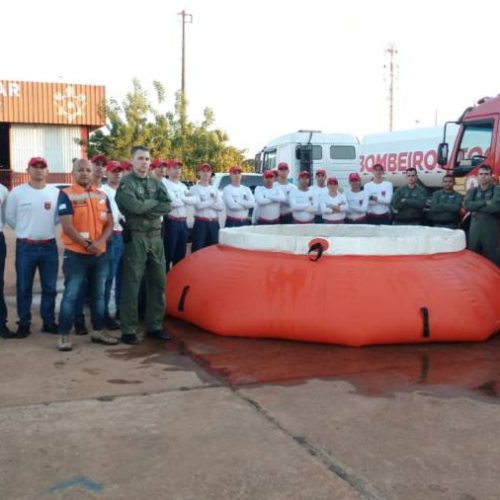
x,y
476,140
269,162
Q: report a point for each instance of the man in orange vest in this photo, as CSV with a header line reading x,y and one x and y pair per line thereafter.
x,y
87,223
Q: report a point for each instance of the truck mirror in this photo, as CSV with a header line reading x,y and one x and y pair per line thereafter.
x,y
442,154
477,160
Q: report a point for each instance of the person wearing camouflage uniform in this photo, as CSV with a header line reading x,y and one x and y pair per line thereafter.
x,y
143,200
483,202
409,201
444,210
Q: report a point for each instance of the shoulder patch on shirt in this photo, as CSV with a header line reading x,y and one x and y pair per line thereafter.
x,y
62,206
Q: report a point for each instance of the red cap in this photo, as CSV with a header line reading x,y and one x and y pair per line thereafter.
x,y
378,166
354,177
157,164
268,174
283,166
37,160
235,169
99,158
113,166
321,171
332,181
304,173
174,163
126,165
204,167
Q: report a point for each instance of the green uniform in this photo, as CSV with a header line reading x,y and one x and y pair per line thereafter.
x,y
408,204
445,208
142,201
485,207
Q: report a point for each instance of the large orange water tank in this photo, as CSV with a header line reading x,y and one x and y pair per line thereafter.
x,y
370,285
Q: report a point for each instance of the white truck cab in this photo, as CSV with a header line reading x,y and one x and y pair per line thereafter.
x,y
312,150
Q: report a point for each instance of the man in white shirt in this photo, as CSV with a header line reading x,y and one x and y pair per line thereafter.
x,y
31,212
320,190
175,235
357,201
304,201
115,246
4,329
268,198
286,187
238,200
207,207
334,204
379,193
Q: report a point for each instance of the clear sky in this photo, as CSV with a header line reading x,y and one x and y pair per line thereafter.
x,y
267,68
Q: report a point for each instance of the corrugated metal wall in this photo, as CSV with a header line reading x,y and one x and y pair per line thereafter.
x,y
56,144
51,103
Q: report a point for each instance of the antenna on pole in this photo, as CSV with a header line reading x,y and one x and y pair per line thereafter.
x,y
392,51
186,18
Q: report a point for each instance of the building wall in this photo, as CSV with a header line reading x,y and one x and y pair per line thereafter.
x,y
57,144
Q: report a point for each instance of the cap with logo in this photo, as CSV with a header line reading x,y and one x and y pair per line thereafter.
x,y
100,158
235,169
283,166
113,166
204,167
354,177
38,160
268,174
332,181
174,163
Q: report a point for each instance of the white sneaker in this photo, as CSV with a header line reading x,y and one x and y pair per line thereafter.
x,y
103,338
64,343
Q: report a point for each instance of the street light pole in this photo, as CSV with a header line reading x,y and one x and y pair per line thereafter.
x,y
186,18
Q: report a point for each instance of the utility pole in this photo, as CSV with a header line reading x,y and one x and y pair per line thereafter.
x,y
186,18
392,68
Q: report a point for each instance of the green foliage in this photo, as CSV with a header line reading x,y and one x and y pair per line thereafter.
x,y
138,121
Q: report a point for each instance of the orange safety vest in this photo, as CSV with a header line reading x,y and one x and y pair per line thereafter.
x,y
90,215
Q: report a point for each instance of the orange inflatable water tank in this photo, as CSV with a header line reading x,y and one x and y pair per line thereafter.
x,y
359,285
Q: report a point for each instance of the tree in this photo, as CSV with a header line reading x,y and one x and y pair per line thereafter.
x,y
137,121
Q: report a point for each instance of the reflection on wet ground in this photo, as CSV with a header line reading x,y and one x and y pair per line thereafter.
x,y
444,370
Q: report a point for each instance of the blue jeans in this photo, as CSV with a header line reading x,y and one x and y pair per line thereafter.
x,y
3,255
175,241
77,268
28,258
115,252
205,233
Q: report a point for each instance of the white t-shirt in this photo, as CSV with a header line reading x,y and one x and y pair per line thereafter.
x,y
287,189
238,200
268,201
327,211
358,204
115,211
320,193
304,205
32,213
208,202
383,192
179,198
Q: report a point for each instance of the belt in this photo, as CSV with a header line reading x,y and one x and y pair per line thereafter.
x,y
204,219
27,241
236,219
268,221
377,216
178,219
118,232
325,221
149,234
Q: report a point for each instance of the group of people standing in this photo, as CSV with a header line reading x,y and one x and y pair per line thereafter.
x,y
129,232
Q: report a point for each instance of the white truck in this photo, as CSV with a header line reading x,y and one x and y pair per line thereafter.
x,y
311,150
397,151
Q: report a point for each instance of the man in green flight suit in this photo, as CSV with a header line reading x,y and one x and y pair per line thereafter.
x,y
483,202
444,210
409,201
143,200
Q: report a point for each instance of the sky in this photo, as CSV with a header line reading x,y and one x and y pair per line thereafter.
x,y
268,68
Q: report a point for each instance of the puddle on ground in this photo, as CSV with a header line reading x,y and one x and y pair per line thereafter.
x,y
122,381
442,369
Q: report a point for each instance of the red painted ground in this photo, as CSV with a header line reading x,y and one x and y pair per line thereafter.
x,y
447,369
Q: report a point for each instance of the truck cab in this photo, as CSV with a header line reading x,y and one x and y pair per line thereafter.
x,y
312,150
477,142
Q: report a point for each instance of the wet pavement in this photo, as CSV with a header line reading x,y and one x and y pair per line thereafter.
x,y
444,370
